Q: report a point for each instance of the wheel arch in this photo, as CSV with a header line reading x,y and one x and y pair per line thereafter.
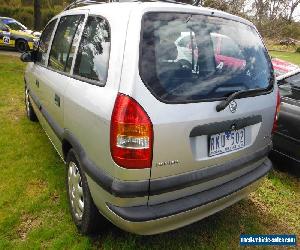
x,y
66,146
20,39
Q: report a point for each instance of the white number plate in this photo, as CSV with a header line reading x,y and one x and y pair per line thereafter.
x,y
226,142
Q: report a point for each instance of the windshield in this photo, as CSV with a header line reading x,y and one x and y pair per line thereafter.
x,y
190,57
13,24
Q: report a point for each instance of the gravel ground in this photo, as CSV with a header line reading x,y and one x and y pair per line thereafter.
x,y
9,53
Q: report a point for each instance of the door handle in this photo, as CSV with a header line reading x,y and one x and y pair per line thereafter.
x,y
37,83
57,100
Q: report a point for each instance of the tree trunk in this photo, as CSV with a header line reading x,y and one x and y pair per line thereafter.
x,y
37,15
293,7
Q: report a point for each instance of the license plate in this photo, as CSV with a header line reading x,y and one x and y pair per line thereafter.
x,y
226,142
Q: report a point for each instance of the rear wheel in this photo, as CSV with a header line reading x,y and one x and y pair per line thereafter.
x,y
84,212
22,45
29,109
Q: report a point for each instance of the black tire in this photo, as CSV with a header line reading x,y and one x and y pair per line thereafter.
x,y
90,218
29,109
185,64
22,45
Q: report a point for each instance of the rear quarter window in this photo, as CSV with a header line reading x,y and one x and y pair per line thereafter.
x,y
94,50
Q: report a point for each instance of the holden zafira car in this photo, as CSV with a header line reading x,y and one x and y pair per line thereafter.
x,y
151,142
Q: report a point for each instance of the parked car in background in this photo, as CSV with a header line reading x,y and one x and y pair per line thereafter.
x,y
286,139
152,144
288,42
13,34
282,67
226,51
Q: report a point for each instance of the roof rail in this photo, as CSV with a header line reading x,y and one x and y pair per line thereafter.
x,y
78,3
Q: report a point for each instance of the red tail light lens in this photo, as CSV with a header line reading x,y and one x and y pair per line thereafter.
x,y
275,124
131,134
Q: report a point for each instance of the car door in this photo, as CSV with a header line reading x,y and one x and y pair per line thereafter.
x,y
5,36
288,135
38,68
55,79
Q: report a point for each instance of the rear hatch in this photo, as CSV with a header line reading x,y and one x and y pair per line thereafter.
x,y
189,133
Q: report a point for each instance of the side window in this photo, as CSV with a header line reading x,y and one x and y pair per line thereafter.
x,y
185,41
2,26
66,30
229,48
44,42
93,52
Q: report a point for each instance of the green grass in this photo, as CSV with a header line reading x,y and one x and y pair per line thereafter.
x,y
33,207
292,57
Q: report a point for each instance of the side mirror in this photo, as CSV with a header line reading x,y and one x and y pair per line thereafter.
x,y
27,57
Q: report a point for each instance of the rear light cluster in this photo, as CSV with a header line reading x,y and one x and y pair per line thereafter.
x,y
131,134
275,124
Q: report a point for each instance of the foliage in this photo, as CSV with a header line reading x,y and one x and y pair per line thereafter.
x,y
273,18
298,50
25,14
25,17
287,56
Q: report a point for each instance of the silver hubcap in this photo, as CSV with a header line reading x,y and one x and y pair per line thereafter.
x,y
27,102
75,190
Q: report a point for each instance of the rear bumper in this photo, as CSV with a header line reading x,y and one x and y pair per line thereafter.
x,y
177,213
134,189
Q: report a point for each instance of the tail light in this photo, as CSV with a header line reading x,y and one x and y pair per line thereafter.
x,y
131,134
275,124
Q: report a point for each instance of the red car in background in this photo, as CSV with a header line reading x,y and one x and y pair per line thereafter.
x,y
227,52
282,67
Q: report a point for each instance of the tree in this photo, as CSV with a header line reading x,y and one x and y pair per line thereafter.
x,y
293,5
37,15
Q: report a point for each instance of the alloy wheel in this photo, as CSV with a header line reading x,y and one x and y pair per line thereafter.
x,y
75,190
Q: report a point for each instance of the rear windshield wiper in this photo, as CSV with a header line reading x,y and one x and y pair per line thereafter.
x,y
237,94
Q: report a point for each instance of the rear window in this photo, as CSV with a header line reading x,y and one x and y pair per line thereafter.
x,y
192,57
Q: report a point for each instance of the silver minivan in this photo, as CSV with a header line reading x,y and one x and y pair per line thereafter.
x,y
153,141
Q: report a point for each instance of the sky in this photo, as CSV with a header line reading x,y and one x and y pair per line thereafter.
x,y
297,14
